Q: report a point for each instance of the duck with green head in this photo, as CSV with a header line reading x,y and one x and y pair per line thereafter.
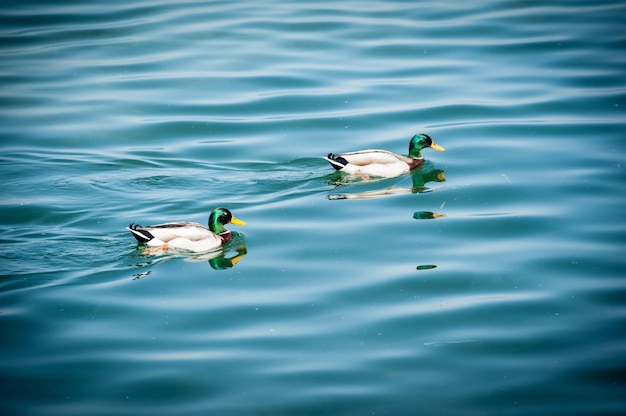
x,y
383,163
190,236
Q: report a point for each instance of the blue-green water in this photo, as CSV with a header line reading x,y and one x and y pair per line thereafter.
x,y
348,297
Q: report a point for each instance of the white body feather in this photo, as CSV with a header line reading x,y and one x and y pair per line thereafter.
x,y
374,162
190,236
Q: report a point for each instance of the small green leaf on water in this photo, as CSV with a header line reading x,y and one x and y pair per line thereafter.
x,y
426,215
426,266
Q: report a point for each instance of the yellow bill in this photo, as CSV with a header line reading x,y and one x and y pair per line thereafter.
x,y
437,147
237,221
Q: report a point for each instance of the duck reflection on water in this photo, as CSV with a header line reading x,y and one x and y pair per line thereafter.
x,y
419,178
224,258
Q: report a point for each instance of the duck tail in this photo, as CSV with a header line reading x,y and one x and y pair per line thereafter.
x,y
141,235
336,161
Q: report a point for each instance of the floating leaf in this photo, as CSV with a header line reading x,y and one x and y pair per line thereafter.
x,y
426,267
426,215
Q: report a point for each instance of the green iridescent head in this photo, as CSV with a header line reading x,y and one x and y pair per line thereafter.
x,y
421,141
220,217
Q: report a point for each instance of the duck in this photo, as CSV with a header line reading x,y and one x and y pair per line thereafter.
x,y
383,163
189,236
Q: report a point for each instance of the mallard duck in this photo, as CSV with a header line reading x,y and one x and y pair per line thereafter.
x,y
383,163
189,236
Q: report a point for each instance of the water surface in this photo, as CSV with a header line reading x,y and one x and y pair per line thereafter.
x,y
489,282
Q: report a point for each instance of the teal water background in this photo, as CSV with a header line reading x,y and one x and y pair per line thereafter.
x,y
347,298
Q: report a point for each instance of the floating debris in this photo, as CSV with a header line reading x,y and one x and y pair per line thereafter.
x,y
426,267
426,215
